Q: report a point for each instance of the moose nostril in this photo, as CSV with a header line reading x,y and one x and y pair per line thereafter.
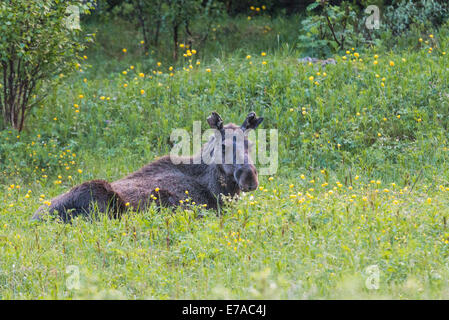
x,y
248,187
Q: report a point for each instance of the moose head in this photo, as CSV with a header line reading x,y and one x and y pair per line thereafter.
x,y
229,149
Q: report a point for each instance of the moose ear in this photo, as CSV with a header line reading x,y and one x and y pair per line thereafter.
x,y
215,121
251,121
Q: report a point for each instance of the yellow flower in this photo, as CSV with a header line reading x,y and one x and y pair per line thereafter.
x,y
124,72
248,57
264,62
311,78
356,54
208,70
157,189
102,97
391,63
141,75
124,50
159,64
376,56
263,54
181,45
142,91
142,42
127,204
80,171
81,96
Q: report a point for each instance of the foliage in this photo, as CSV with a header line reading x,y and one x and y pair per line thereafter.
x,y
175,17
427,14
329,31
362,178
331,28
35,45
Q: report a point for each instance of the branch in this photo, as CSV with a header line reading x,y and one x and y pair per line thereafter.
x,y
331,27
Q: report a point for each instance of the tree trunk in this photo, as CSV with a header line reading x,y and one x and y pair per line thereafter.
x,y
141,17
175,41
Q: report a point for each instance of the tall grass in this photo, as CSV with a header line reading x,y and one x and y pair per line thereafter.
x,y
362,178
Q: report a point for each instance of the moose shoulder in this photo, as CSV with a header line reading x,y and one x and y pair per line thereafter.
x,y
166,181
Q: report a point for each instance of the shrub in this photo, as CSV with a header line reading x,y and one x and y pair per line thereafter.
x,y
425,13
37,42
331,28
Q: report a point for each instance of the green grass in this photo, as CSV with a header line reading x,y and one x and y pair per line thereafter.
x,y
362,179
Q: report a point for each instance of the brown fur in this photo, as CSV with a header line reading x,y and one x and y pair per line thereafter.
x,y
205,183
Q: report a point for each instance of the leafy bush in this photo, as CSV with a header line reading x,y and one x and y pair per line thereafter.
x,y
330,28
36,43
426,14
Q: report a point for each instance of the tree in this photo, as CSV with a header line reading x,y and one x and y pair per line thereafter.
x,y
180,13
38,40
189,20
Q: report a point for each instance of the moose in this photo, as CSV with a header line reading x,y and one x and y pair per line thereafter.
x,y
170,180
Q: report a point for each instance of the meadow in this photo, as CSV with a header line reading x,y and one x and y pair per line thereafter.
x,y
362,182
